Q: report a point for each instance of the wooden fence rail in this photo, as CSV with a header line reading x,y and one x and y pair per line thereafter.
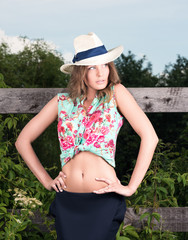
x,y
31,100
151,100
173,219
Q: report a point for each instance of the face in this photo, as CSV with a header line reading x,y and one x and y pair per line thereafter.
x,y
97,77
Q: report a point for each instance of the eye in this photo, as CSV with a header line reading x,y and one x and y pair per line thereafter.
x,y
105,65
91,67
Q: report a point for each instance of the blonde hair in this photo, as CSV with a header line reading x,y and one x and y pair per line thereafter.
x,y
78,89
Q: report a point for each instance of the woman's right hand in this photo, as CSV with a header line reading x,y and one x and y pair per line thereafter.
x,y
58,184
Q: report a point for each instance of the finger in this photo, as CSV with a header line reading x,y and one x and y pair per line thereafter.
x,y
58,185
103,190
55,188
108,181
61,183
62,174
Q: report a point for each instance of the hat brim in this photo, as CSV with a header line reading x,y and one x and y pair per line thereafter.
x,y
110,56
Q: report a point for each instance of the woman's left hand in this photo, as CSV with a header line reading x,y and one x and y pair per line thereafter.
x,y
114,187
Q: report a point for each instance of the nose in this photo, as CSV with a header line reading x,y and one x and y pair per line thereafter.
x,y
99,71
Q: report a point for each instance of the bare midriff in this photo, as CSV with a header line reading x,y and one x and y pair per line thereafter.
x,y
82,170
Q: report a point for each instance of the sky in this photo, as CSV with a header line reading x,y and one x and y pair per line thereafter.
x,y
157,29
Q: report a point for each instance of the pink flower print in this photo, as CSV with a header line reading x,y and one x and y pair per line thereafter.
x,y
70,140
100,139
60,128
95,116
111,143
86,133
97,145
105,130
120,123
91,139
107,110
59,125
64,144
108,117
84,121
67,159
89,108
83,111
95,130
63,112
63,97
80,134
88,124
69,125
75,131
100,120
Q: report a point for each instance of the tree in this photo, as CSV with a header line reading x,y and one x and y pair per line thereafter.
x,y
134,73
36,66
175,74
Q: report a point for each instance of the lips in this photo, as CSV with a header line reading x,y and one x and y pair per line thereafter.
x,y
100,81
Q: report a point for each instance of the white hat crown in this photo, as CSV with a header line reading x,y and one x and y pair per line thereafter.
x,y
86,42
89,50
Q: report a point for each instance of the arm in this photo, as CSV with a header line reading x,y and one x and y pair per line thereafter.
x,y
31,132
143,127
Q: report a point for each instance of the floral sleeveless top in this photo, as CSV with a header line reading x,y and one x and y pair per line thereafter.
x,y
94,130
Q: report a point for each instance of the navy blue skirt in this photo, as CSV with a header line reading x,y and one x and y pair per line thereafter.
x,y
87,216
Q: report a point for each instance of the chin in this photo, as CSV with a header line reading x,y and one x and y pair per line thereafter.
x,y
101,86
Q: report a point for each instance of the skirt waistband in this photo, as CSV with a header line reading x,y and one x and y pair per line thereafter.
x,y
65,193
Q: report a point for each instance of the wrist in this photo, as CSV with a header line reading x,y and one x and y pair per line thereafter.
x,y
132,189
48,184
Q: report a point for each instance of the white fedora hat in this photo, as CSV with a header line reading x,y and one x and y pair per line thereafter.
x,y
89,50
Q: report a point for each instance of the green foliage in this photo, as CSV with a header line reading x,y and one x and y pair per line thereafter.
x,y
127,233
2,83
165,183
36,66
15,177
135,73
176,74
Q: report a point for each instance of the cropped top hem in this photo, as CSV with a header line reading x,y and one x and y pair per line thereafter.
x,y
94,130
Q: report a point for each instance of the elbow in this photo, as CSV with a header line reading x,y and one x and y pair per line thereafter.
x,y
155,139
151,139
18,144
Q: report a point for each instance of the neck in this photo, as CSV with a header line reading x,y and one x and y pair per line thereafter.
x,y
91,95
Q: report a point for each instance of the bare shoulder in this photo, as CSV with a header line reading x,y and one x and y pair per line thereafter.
x,y
128,106
49,112
51,106
123,96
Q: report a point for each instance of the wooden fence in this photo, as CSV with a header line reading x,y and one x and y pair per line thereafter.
x,y
153,100
31,100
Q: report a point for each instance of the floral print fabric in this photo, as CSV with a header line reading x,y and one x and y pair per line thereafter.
x,y
94,130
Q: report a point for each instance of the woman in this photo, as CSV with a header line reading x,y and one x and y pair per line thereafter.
x,y
90,200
